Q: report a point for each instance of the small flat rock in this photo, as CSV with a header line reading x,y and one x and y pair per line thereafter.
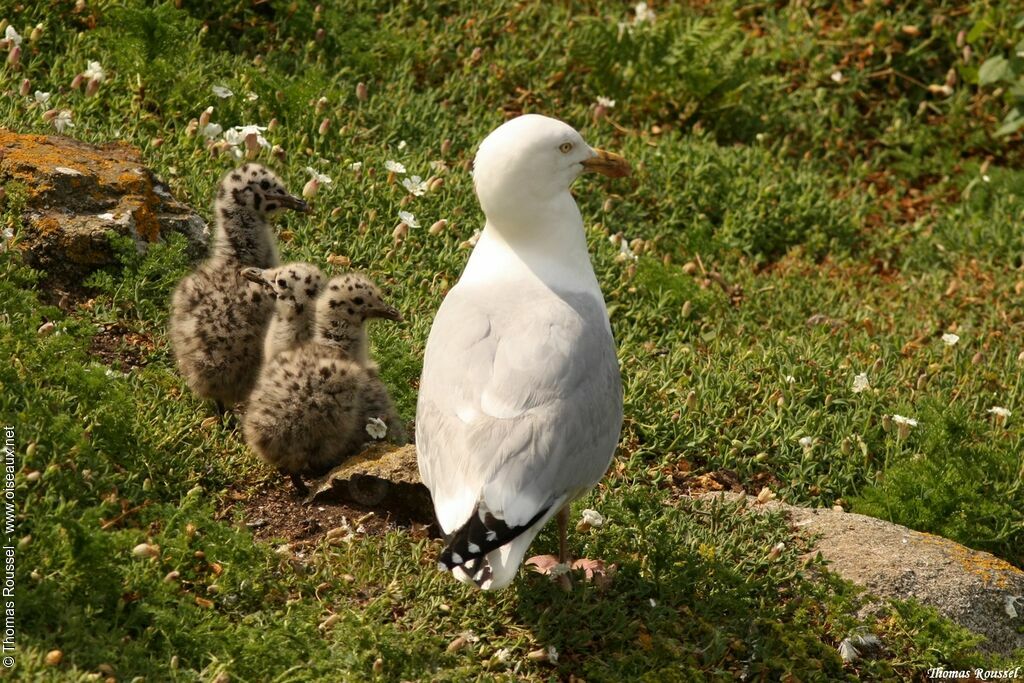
x,y
384,475
969,587
72,190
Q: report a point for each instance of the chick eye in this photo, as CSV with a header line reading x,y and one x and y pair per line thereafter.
x,y
565,147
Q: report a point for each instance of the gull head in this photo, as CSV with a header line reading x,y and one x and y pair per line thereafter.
x,y
293,285
256,189
532,160
350,300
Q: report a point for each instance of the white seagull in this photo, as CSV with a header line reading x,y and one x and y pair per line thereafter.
x,y
520,402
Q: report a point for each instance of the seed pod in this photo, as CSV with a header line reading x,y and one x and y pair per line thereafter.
x,y
77,81
362,92
325,125
252,146
399,234
272,125
26,87
53,657
146,550
438,227
14,56
204,118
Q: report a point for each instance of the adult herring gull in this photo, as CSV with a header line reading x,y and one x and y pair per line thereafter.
x,y
520,402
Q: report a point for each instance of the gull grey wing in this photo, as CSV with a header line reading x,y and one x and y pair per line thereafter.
x,y
520,405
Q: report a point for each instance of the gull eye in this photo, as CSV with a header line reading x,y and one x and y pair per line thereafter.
x,y
565,147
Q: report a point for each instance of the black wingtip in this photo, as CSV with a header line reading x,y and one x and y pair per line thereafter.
x,y
468,545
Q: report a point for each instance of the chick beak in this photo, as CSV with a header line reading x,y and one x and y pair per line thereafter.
x,y
607,163
388,313
289,202
255,275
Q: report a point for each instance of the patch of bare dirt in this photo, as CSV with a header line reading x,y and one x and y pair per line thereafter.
x,y
275,511
116,344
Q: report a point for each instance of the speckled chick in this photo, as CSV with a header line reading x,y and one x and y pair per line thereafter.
x,y
308,411
218,318
294,288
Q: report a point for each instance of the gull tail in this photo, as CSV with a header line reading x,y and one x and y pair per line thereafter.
x,y
466,549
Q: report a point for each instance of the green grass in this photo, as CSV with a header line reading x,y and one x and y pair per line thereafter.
x,y
891,213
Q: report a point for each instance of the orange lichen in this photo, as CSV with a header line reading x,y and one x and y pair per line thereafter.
x,y
992,570
47,224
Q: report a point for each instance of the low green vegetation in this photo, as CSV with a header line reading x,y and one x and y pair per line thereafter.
x,y
821,192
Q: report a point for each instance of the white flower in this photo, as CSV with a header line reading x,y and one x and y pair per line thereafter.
x,y
356,166
999,412
625,253
605,102
319,177
212,130
408,219
236,136
252,97
900,420
790,379
986,178
222,92
950,339
438,166
552,654
376,428
474,238
12,36
643,13
807,442
653,602
401,145
8,235
837,76
415,185
394,166
42,98
593,518
860,383
590,519
62,120
94,72
503,655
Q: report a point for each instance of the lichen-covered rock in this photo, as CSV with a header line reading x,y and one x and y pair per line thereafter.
x,y
74,195
383,474
978,591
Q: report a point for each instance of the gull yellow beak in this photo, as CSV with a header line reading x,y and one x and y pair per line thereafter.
x,y
607,163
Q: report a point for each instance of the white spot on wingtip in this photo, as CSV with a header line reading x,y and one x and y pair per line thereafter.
x,y
473,548
456,558
441,567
